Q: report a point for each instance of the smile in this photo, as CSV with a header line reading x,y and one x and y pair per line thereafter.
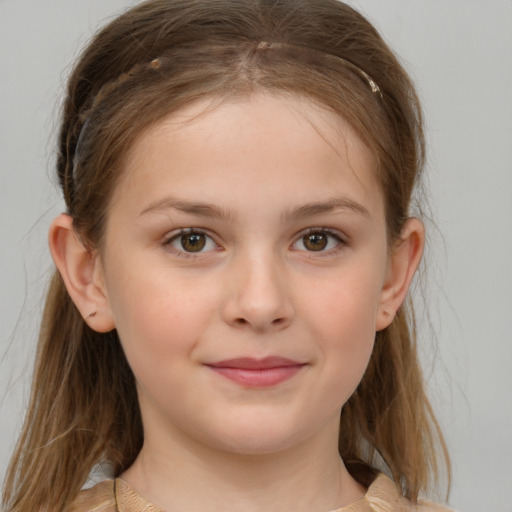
x,y
250,372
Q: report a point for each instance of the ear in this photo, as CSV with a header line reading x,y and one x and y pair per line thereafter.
x,y
403,262
82,273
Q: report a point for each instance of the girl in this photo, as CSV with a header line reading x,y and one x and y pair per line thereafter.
x,y
227,326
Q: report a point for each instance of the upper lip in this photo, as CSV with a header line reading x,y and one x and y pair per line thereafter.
x,y
250,363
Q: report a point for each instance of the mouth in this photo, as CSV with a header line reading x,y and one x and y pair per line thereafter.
x,y
256,373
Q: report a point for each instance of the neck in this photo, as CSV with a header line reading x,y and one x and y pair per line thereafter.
x,y
186,475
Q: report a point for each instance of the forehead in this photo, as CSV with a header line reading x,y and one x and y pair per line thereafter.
x,y
264,138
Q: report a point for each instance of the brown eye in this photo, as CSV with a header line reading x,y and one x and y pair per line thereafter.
x,y
189,241
193,242
315,241
319,240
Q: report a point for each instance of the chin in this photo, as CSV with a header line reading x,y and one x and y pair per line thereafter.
x,y
258,437
261,444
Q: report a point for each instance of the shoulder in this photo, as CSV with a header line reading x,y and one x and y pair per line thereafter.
x,y
111,496
382,496
100,498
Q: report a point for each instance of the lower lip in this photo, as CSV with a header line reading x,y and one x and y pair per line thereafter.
x,y
260,378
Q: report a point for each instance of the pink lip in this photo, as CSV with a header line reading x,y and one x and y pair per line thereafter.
x,y
250,372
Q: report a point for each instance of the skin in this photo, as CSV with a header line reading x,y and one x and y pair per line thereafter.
x,y
254,179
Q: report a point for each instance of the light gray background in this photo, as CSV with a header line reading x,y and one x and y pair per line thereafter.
x,y
460,54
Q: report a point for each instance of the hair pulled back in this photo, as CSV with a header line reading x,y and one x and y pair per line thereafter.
x,y
153,60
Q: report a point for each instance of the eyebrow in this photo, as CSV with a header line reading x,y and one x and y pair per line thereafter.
x,y
330,206
191,207
201,209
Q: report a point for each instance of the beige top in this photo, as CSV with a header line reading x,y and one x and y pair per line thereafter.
x,y
382,496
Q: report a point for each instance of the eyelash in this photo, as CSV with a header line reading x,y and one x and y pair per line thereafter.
x,y
176,235
329,232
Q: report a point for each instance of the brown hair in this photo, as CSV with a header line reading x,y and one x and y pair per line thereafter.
x,y
151,61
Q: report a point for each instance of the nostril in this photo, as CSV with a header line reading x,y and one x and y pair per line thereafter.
x,y
243,321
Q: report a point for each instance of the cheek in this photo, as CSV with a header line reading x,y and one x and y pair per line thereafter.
x,y
158,319
342,320
343,304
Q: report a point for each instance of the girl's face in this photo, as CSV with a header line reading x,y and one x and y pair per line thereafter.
x,y
246,265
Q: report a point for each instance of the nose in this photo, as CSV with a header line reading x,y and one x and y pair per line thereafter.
x,y
258,294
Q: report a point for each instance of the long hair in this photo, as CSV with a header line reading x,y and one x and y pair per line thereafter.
x,y
150,62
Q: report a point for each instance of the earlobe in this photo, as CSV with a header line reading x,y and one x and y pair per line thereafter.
x,y
82,273
403,262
